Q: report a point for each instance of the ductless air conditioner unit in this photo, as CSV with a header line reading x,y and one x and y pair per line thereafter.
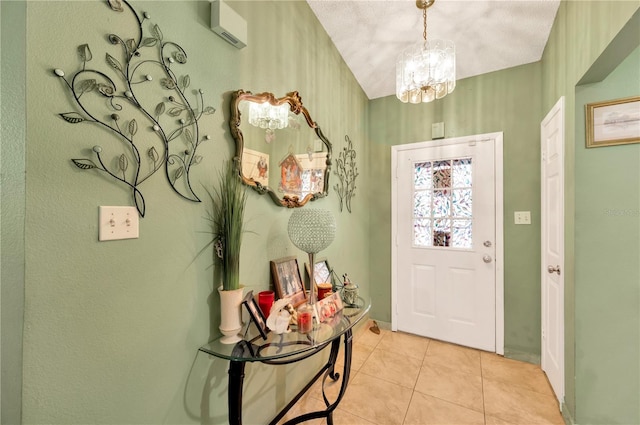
x,y
228,24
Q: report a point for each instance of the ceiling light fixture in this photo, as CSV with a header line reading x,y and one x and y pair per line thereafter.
x,y
426,70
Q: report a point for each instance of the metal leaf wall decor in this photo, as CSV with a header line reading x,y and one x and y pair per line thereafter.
x,y
161,133
347,172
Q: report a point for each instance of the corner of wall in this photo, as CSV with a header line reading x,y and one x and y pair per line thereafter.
x,y
12,212
522,356
566,415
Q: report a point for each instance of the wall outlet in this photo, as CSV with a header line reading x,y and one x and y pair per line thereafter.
x,y
118,223
522,217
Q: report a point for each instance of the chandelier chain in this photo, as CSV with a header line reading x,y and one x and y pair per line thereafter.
x,y
424,18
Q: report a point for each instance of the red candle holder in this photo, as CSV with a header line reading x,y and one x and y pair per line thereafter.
x,y
265,301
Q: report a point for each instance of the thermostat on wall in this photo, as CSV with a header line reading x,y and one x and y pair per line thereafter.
x,y
228,24
437,130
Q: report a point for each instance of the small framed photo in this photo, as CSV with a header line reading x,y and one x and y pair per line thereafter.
x,y
613,122
327,307
287,280
256,314
321,272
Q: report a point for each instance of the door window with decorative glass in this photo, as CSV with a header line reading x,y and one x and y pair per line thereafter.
x,y
442,203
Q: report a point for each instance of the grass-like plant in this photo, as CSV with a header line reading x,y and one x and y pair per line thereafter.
x,y
227,220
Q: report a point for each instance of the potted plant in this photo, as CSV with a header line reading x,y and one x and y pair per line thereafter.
x,y
227,220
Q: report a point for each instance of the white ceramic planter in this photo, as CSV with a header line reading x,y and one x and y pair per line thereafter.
x,y
230,315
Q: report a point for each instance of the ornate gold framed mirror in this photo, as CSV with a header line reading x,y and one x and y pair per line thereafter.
x,y
280,150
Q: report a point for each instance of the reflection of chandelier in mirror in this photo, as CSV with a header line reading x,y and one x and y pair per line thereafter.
x,y
426,70
265,115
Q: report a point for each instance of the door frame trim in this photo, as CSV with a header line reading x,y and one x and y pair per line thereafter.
x,y
499,214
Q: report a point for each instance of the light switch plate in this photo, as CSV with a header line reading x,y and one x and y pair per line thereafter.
x,y
118,223
522,217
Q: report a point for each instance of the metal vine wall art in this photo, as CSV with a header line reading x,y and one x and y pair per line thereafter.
x,y
153,131
347,172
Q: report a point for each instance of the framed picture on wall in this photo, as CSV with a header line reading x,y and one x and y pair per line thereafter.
x,y
613,122
287,280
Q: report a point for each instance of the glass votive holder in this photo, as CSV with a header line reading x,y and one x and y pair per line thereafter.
x,y
305,318
350,294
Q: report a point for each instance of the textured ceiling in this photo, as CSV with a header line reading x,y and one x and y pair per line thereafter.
x,y
489,35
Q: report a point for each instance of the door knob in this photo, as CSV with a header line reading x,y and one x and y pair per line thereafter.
x,y
487,259
555,269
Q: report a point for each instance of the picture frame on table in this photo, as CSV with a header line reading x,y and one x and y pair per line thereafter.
x,y
321,270
287,280
255,314
613,122
328,307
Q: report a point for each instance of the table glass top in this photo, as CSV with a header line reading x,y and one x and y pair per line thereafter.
x,y
255,348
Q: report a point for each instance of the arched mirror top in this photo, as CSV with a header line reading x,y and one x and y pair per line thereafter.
x,y
280,150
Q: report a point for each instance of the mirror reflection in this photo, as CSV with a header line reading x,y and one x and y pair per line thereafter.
x,y
280,150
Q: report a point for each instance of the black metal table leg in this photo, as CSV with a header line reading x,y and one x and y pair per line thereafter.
x,y
346,372
333,357
234,394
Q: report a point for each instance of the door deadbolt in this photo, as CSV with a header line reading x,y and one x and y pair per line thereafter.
x,y
487,244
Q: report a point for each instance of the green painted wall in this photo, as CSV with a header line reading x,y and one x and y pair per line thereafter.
x,y
569,54
607,263
507,101
112,328
12,209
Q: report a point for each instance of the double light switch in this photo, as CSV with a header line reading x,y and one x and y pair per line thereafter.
x,y
118,223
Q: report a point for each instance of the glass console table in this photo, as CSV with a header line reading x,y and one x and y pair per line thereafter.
x,y
290,348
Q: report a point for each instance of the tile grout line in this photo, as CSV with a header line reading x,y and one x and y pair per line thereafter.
x,y
413,390
404,419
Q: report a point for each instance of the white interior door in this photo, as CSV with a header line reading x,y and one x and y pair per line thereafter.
x,y
552,228
445,264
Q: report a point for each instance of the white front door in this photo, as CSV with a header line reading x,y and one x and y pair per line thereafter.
x,y
445,230
552,229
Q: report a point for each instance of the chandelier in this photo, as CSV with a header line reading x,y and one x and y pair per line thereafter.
x,y
266,115
426,70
